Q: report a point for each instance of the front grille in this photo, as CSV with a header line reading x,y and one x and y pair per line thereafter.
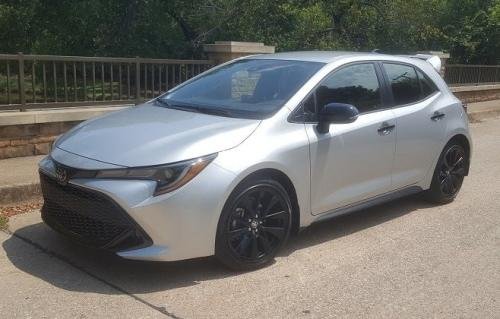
x,y
89,217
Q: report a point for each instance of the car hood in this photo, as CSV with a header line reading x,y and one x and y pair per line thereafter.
x,y
152,135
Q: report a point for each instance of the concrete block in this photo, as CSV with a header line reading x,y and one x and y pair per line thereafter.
x,y
19,142
42,148
57,115
43,139
17,151
10,194
66,126
4,143
222,51
50,129
19,131
16,118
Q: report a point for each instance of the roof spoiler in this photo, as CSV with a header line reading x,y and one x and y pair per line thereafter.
x,y
433,60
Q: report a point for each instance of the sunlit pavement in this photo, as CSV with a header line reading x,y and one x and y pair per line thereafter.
x,y
402,259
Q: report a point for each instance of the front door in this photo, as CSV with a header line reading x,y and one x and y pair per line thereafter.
x,y
352,162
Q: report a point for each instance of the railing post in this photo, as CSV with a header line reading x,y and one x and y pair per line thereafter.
x,y
22,96
137,80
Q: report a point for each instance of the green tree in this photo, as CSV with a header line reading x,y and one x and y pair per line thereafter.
x,y
469,29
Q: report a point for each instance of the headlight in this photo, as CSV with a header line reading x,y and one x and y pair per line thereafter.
x,y
168,177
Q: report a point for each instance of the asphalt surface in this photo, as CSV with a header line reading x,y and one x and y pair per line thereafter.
x,y
399,260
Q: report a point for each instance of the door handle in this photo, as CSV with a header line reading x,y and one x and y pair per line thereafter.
x,y
385,129
437,116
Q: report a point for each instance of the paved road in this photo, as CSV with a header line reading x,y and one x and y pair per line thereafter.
x,y
403,259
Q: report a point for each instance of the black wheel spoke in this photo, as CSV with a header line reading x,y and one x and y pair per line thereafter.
x,y
274,200
266,245
445,185
278,215
242,247
254,251
459,172
277,232
239,222
248,205
454,182
458,162
446,162
237,233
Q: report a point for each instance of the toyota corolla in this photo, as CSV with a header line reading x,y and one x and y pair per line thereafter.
x,y
233,161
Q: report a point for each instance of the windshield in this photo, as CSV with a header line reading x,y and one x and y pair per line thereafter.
x,y
249,88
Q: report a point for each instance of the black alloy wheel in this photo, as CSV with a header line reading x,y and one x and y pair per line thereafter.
x,y
449,174
452,172
254,225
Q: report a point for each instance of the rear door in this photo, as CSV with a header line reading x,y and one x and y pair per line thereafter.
x,y
420,122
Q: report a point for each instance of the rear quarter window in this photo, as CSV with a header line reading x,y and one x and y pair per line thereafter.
x,y
404,83
428,87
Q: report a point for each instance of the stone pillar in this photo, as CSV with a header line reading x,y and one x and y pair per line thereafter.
x,y
223,51
443,56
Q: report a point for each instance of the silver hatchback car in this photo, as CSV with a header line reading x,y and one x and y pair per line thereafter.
x,y
233,161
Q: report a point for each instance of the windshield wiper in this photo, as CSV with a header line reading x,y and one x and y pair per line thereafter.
x,y
213,111
197,109
162,102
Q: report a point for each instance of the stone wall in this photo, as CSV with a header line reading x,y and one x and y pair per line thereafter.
x,y
33,132
30,139
477,93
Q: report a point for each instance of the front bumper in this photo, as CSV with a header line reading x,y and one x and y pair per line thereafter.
x,y
89,217
174,226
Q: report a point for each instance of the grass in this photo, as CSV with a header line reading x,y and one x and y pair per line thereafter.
x,y
91,91
101,90
4,222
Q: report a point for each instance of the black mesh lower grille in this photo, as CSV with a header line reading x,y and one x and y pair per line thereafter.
x,y
90,217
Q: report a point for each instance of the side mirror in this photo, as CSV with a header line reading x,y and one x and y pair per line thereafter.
x,y
336,113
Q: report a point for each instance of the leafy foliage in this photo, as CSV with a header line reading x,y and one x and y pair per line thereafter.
x,y
468,29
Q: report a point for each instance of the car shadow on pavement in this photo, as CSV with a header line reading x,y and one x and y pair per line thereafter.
x,y
347,224
136,277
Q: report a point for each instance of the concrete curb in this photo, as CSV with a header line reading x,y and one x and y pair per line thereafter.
x,y
11,194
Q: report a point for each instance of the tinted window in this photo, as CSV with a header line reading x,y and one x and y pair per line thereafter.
x,y
249,88
428,87
404,83
356,85
309,105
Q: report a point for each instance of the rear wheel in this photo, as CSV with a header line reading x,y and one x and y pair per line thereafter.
x,y
254,225
448,174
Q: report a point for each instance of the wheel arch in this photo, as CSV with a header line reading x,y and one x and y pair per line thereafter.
x,y
287,183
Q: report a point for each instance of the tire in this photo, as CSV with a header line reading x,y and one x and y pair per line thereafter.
x,y
255,223
448,175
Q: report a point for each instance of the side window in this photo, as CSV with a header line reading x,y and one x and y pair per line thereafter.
x,y
428,87
404,83
356,85
309,105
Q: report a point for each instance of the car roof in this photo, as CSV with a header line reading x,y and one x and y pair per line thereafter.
x,y
332,56
315,56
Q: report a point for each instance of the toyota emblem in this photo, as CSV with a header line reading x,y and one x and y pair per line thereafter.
x,y
61,175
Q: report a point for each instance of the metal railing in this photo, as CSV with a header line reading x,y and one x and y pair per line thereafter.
x,y
462,74
44,81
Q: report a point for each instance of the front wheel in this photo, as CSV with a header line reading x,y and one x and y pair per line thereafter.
x,y
448,175
255,223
